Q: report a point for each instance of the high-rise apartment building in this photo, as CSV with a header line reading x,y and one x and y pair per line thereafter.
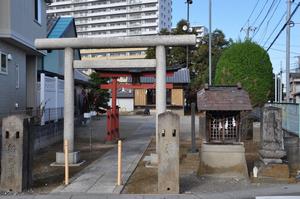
x,y
108,18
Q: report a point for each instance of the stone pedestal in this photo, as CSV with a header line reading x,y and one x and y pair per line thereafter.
x,y
74,158
168,154
17,153
223,161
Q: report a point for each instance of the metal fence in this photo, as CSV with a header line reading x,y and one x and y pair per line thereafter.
x,y
290,116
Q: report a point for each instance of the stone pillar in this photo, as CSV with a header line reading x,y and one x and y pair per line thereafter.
x,y
168,155
17,153
202,126
272,144
256,132
160,86
68,110
42,97
69,99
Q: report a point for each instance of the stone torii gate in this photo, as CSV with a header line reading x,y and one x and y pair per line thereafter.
x,y
69,44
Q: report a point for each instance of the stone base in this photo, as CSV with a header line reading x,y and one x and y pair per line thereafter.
x,y
74,157
276,172
223,161
271,154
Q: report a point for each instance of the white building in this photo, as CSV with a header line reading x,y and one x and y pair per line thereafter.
x,y
107,18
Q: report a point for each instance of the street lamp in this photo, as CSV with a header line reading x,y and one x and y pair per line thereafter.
x,y
209,44
186,28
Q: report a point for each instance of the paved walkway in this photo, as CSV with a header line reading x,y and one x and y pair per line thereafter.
x,y
101,176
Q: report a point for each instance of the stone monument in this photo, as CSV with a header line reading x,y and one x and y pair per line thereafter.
x,y
17,153
168,154
272,146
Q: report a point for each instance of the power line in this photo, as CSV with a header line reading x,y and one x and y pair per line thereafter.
x,y
273,31
260,12
286,23
268,12
268,22
279,50
247,21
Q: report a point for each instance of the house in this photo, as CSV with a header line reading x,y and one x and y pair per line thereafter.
x,y
21,22
51,73
145,98
125,100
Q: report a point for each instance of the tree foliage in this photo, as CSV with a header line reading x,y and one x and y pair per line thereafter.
x,y
200,62
97,97
248,63
198,56
175,55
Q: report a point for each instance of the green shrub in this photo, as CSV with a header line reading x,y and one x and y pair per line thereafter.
x,y
248,63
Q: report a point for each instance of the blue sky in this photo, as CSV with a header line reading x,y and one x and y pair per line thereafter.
x,y
231,15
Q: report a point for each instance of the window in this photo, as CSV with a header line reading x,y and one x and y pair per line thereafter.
x,y
3,63
38,11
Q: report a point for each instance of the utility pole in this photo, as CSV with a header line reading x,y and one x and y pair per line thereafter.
x,y
209,47
276,87
188,2
288,40
280,83
247,30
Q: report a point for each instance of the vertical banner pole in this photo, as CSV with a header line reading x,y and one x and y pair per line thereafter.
x,y
66,162
119,162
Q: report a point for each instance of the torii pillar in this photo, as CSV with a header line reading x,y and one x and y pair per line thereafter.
x,y
160,86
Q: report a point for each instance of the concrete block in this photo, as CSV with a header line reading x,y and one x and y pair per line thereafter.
x,y
223,160
74,157
17,153
168,154
256,132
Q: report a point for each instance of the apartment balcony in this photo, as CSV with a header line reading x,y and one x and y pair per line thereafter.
x,y
142,25
107,20
95,14
106,35
154,32
132,2
56,10
92,7
133,10
89,29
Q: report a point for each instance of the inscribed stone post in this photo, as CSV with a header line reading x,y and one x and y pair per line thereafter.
x,y
168,154
17,152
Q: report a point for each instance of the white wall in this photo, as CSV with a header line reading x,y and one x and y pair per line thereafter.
x,y
125,104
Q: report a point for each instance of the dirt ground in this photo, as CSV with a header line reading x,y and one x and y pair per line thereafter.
x,y
144,179
47,178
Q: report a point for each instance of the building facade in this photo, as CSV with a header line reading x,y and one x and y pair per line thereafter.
x,y
21,22
295,87
109,18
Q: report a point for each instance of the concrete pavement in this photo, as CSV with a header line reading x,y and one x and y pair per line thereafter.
x,y
100,176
